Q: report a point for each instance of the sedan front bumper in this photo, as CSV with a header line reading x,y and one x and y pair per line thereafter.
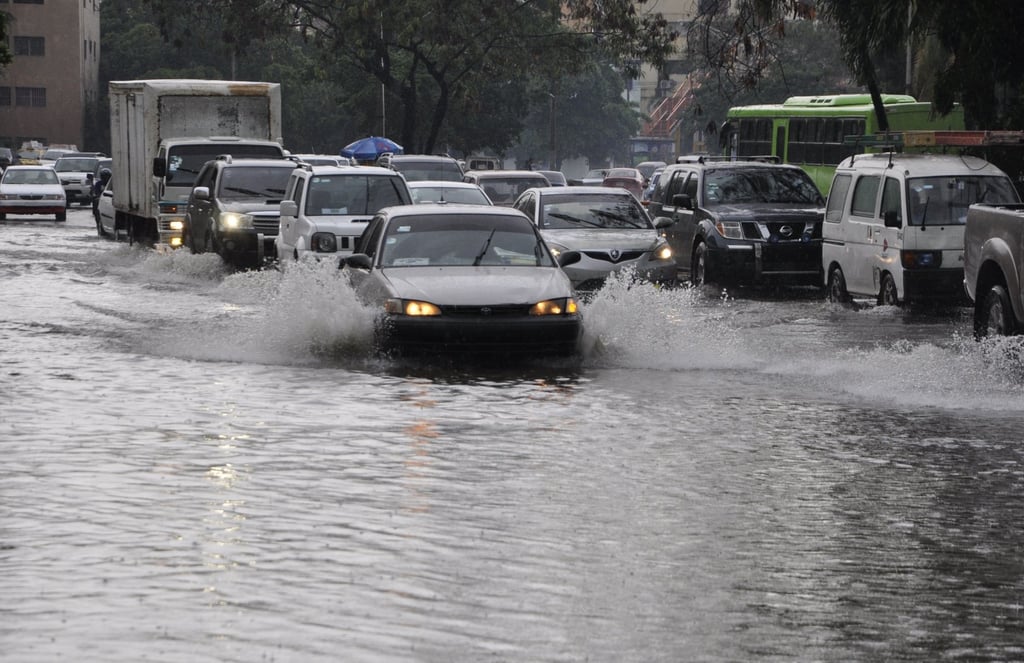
x,y
497,335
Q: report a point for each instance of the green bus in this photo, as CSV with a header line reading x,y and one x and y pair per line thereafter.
x,y
812,132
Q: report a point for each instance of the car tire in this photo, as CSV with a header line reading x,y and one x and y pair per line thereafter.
x,y
699,272
995,316
62,216
887,295
3,216
836,288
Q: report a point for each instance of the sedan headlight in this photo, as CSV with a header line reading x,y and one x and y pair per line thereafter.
x,y
410,307
662,252
235,221
557,249
324,243
53,196
566,306
8,196
730,229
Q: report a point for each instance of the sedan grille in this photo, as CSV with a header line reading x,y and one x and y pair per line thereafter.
x,y
494,311
30,196
613,256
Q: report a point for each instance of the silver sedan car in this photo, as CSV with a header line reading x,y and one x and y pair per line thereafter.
x,y
607,226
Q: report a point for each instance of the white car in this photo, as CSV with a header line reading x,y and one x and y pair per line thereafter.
x,y
32,190
437,191
76,176
105,224
326,208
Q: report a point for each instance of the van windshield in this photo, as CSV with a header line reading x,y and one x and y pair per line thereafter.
x,y
943,201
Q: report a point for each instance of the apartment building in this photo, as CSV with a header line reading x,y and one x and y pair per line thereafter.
x,y
45,91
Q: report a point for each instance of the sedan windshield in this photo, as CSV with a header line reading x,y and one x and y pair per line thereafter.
x,y
759,185
942,201
464,239
31,176
598,211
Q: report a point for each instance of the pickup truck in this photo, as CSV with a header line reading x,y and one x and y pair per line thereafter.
x,y
994,267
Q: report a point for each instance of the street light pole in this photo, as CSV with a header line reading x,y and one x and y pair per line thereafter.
x,y
552,161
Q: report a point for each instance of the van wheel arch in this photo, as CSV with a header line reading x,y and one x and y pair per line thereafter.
x,y
888,295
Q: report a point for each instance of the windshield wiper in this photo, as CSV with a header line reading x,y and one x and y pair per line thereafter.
x,y
621,219
567,217
487,245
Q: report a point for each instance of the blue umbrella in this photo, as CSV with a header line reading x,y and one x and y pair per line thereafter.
x,y
368,149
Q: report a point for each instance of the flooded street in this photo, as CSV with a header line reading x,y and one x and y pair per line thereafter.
x,y
201,465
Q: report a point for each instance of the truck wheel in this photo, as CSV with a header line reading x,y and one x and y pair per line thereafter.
x,y
837,293
888,295
995,314
699,272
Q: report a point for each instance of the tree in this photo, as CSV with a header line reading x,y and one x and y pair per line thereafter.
x,y
432,57
979,64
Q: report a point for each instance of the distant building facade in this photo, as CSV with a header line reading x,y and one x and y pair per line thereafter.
x,y
54,77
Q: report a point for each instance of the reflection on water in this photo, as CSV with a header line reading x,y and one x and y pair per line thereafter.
x,y
204,465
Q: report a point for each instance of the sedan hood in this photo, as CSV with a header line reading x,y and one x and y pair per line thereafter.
x,y
254,205
468,286
587,240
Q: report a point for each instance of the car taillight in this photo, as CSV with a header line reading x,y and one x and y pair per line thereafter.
x,y
921,259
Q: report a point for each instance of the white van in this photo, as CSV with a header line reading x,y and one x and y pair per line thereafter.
x,y
894,225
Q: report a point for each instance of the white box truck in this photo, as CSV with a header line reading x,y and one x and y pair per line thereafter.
x,y
162,131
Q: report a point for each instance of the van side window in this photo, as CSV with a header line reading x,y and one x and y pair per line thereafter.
x,y
892,201
865,195
675,186
837,198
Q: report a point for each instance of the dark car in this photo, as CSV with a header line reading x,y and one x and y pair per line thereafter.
x,y
463,280
7,158
416,167
235,209
746,222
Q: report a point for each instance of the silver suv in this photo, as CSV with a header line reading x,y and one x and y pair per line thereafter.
x,y
326,208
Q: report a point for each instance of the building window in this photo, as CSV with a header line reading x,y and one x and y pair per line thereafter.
x,y
5,95
30,45
30,96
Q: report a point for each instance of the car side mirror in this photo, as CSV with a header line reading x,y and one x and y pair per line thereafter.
x,y
569,258
663,222
159,166
682,200
356,261
891,219
289,208
201,193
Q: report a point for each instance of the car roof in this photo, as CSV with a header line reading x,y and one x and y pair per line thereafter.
x,y
920,165
500,174
448,209
234,163
352,170
31,166
583,190
448,184
421,157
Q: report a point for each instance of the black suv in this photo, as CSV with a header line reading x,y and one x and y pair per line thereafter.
x,y
422,167
235,209
748,222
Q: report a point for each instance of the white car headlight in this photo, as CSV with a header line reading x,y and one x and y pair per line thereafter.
x,y
410,307
557,249
566,306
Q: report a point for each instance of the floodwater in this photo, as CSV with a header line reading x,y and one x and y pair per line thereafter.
x,y
200,465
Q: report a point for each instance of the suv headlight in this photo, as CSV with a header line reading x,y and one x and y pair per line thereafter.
x,y
324,243
235,221
662,251
730,229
